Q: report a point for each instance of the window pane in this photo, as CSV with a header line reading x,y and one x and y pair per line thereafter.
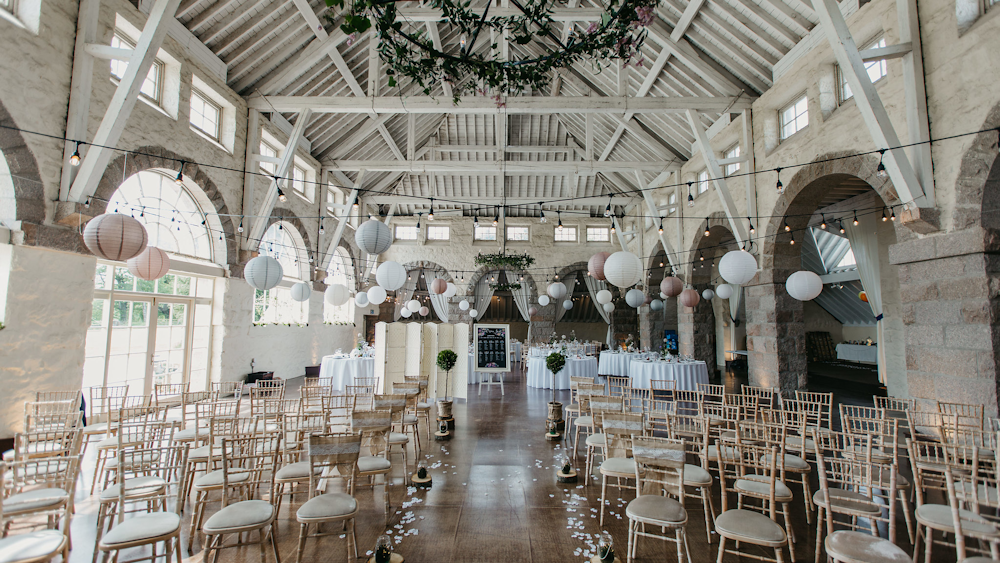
x,y
702,182
163,314
485,233
517,233
299,179
124,280
183,285
794,118
178,316
151,86
268,150
406,232
166,284
205,114
566,234
139,313
598,234
732,168
438,232
97,316
101,276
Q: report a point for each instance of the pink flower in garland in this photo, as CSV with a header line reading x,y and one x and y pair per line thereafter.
x,y
592,27
644,15
351,39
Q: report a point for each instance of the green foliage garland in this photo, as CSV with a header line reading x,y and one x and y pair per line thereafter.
x,y
502,260
505,286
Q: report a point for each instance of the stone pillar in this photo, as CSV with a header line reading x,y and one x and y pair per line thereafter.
x,y
645,327
775,337
950,289
544,322
696,331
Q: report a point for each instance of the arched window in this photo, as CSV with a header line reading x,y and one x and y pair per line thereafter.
x,y
340,270
282,242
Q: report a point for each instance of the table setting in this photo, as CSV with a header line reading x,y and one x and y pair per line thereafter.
x,y
540,377
685,372
342,369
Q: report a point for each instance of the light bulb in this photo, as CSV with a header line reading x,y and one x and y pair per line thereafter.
x,y
240,228
855,218
461,42
823,224
75,159
752,230
779,186
281,196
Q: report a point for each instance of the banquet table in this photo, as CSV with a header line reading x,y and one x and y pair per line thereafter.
x,y
857,353
539,375
686,375
617,363
343,370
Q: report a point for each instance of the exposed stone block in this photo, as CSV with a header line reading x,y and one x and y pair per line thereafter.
x,y
969,336
924,336
911,292
946,361
975,312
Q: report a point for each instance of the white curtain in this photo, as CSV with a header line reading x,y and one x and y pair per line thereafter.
x,y
440,304
734,315
593,286
522,298
404,294
864,242
483,294
570,283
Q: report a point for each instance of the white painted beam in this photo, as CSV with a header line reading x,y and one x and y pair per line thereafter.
x,y
530,202
657,216
515,105
888,52
271,198
249,176
690,11
108,52
715,171
619,234
841,277
480,168
81,88
917,122
342,222
557,14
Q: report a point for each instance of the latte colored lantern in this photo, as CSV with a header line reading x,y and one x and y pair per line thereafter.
x,y
115,237
671,287
689,298
596,265
151,264
438,286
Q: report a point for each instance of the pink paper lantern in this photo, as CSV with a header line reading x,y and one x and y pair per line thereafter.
x,y
671,286
648,300
438,286
424,311
596,264
532,311
689,298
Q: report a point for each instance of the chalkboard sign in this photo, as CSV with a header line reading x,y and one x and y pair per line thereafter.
x,y
492,345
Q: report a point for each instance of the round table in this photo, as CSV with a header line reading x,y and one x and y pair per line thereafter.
x,y
617,363
342,370
685,375
539,376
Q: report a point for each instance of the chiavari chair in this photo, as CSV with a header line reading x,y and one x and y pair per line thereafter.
x,y
617,385
294,471
374,427
103,402
765,395
638,399
759,475
338,411
396,405
688,402
273,388
203,471
693,433
331,457
410,422
819,407
39,545
618,430
138,417
599,404
226,389
573,410
663,389
423,405
659,475
585,421
169,395
38,492
964,415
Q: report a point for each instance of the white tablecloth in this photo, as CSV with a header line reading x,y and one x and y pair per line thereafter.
x,y
343,370
539,376
857,353
686,375
617,363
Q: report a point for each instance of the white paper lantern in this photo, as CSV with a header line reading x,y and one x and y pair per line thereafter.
x,y
663,295
603,296
451,291
532,311
738,267
413,305
724,291
656,305
608,307
568,304
424,311
361,299
557,290
151,264
635,298
263,272
463,305
373,237
337,295
405,313
689,298
390,275
623,269
543,300
671,287
804,285
474,314
707,295
115,237
376,295
301,292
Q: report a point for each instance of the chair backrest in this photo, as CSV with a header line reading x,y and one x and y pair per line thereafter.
x,y
600,404
752,459
872,487
746,405
221,389
688,403
753,432
926,425
638,399
711,392
254,457
338,410
619,428
693,431
40,473
169,462
964,415
617,385
189,405
373,427
858,412
588,389
47,443
50,416
765,395
659,466
395,404
802,415
819,403
333,456
105,400
163,391
882,433
73,397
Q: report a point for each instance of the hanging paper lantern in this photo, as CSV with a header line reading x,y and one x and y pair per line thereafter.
x,y
373,237
115,237
301,292
390,275
473,313
376,295
724,291
543,300
568,304
361,299
262,272
596,265
413,305
656,305
689,298
556,290
438,286
608,307
671,287
337,294
635,298
623,269
804,285
532,311
405,313
738,267
451,290
663,295
707,295
604,296
463,305
424,311
863,296
647,300
151,264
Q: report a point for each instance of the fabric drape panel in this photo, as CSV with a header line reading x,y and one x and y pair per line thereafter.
x,y
593,286
522,298
734,314
440,304
570,282
483,295
864,242
404,294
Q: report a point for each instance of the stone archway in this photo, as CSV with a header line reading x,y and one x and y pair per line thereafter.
x,y
24,175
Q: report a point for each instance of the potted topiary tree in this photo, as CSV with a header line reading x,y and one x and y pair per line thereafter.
x,y
446,360
555,362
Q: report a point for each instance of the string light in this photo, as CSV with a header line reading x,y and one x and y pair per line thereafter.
x,y
708,232
418,220
855,218
841,223
823,224
496,218
356,206
75,159
701,256
779,186
752,230
787,228
321,229
661,225
281,195
880,170
884,217
607,210
559,227
690,197
430,216
180,175
475,222
541,213
612,227
792,242
892,214
240,228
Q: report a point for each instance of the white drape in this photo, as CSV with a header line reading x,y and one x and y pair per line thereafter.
x,y
482,295
522,298
734,314
864,242
593,286
440,304
403,295
570,283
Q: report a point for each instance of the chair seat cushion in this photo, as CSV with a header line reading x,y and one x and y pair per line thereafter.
x,y
189,434
656,508
398,438
295,471
214,478
422,406
136,487
201,453
861,452
618,466
759,485
143,458
749,526
597,440
712,452
33,545
96,428
793,463
938,516
369,463
37,499
244,514
795,442
848,501
584,421
695,476
409,419
330,505
142,527
849,546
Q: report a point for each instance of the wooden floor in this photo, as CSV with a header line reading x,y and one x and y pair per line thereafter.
x,y
494,499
